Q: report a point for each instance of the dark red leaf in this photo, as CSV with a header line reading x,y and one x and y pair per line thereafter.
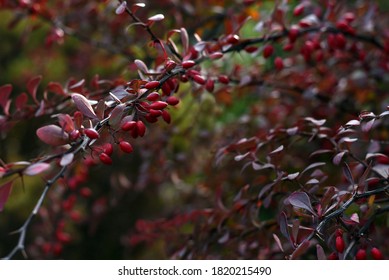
x,y
32,86
5,191
5,92
56,88
320,252
283,223
21,101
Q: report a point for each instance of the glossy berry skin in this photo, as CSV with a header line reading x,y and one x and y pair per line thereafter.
x,y
125,147
268,51
91,133
152,84
106,159
376,254
172,100
360,255
339,244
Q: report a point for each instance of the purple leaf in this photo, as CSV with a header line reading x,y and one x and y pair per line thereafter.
x,y
320,252
184,40
366,127
116,115
66,159
315,121
157,17
141,66
283,222
312,166
279,149
121,9
36,168
5,191
52,135
83,105
338,157
32,86
301,200
278,242
300,250
347,173
353,123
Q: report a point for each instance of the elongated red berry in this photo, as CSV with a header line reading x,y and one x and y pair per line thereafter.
x,y
223,79
154,96
293,33
152,84
188,64
210,85
268,51
360,255
108,148
339,244
158,105
128,125
298,10
232,39
91,133
141,128
106,159
172,100
125,147
279,63
155,113
376,254
333,256
166,116
199,79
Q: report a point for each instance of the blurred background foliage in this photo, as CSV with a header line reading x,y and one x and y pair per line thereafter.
x,y
173,170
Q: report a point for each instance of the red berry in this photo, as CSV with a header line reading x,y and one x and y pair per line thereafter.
x,y
172,100
268,51
74,135
108,148
85,192
154,113
199,79
279,63
360,255
223,79
339,244
333,256
91,133
158,105
106,159
342,24
232,39
152,84
125,147
188,64
154,96
166,116
210,85
128,125
141,128
376,254
293,33
170,65
251,49
298,10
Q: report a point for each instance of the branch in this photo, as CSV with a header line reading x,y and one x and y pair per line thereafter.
x,y
22,231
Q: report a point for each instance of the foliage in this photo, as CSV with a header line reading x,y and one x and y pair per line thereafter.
x,y
257,131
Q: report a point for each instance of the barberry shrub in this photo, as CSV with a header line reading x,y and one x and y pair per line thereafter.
x,y
246,130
